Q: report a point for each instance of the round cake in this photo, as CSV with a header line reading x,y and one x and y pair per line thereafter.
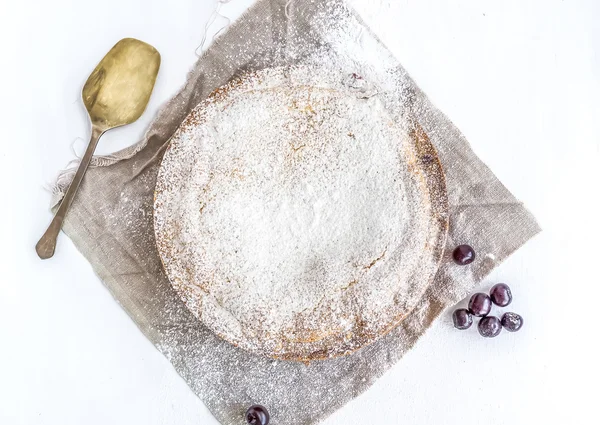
x,y
297,221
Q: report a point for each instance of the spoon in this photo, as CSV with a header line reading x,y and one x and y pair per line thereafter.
x,y
115,94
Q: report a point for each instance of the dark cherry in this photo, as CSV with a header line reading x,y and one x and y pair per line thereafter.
x,y
501,295
489,327
512,322
480,304
463,255
462,319
257,415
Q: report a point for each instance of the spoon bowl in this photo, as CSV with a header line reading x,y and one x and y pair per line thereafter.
x,y
118,90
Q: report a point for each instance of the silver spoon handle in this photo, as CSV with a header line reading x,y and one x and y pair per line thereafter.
x,y
46,245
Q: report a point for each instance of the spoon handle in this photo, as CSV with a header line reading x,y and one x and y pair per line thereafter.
x,y
46,245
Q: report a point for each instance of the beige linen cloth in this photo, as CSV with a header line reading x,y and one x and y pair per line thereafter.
x,y
111,224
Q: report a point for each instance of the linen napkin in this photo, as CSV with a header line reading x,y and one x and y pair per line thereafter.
x,y
111,222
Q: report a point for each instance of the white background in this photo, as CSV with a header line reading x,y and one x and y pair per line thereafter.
x,y
520,78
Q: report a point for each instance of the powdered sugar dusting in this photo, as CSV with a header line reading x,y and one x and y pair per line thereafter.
x,y
292,214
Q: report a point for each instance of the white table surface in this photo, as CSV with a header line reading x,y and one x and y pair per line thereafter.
x,y
520,78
